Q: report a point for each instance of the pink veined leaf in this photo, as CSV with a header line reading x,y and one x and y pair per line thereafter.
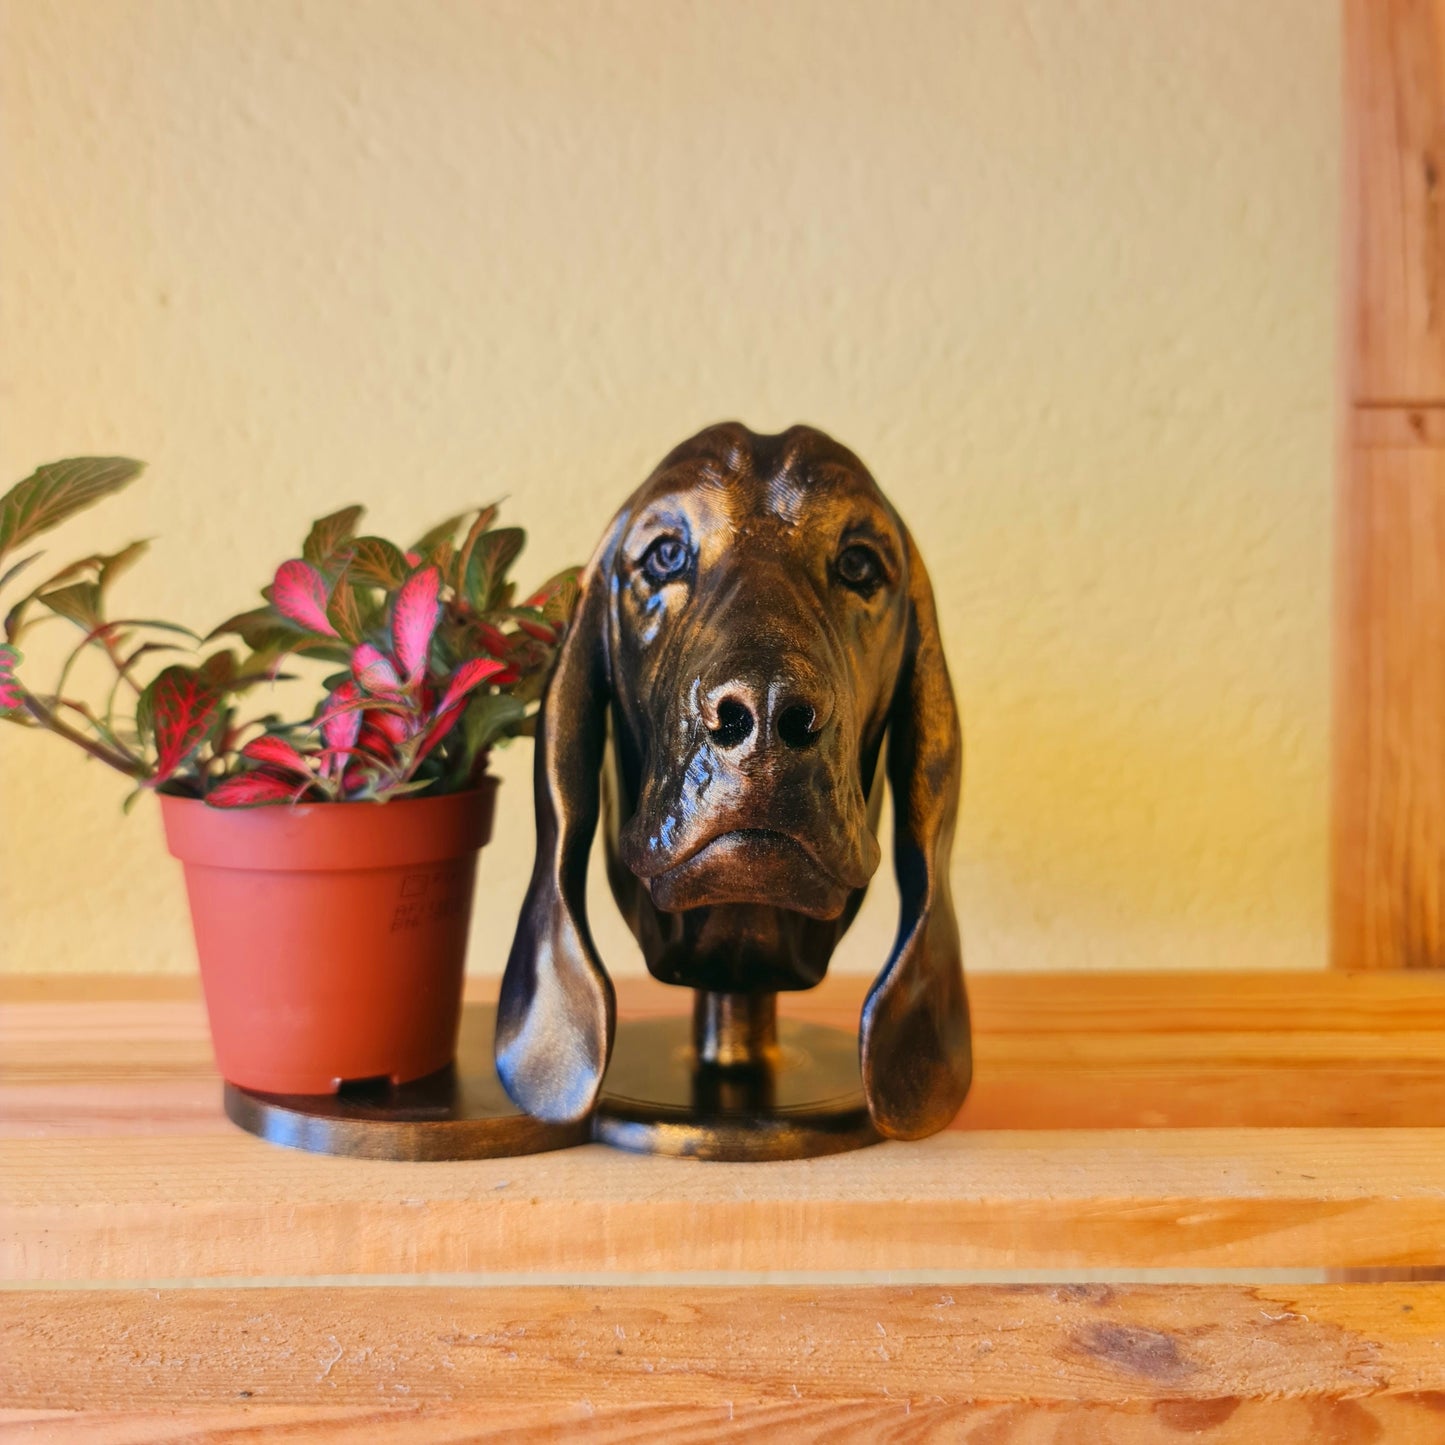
x,y
468,676
445,721
362,702
11,698
374,743
374,670
335,761
418,608
340,719
353,767
413,557
539,630
493,639
393,726
251,790
353,779
183,710
299,594
277,752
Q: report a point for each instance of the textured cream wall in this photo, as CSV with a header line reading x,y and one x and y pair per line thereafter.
x,y
1062,272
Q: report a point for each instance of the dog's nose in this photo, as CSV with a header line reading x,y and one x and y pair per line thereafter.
x,y
742,714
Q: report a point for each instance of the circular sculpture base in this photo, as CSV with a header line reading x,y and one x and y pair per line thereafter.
x,y
461,1112
807,1100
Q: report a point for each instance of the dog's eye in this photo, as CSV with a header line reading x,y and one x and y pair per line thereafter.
x,y
665,559
859,568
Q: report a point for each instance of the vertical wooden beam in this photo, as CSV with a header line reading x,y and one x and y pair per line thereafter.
x,y
1389,804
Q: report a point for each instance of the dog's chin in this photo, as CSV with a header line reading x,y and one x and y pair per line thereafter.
x,y
751,866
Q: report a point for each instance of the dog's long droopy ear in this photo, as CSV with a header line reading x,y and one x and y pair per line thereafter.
x,y
557,1011
916,1055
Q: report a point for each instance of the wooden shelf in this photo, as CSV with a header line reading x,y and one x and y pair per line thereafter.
x,y
1147,1126
1037,1364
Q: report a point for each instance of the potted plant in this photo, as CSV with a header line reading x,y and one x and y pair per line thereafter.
x,y
331,931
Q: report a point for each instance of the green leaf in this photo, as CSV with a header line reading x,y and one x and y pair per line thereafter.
x,y
487,567
375,562
105,566
488,717
256,627
146,648
557,596
15,624
446,531
265,630
443,557
111,567
324,542
262,664
145,715
343,613
159,626
219,669
401,790
484,519
59,490
12,572
79,602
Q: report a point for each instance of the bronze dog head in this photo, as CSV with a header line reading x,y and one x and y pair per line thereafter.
x,y
756,622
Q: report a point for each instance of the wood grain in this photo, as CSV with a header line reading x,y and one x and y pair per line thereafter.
x,y
116,1162
228,1205
1394,270
1319,1420
1008,1364
1389,844
1053,1051
1389,768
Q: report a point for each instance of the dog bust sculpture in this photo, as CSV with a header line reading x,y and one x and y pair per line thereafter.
x,y
757,627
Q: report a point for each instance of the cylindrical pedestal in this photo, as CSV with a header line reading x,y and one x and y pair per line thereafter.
x,y
733,1083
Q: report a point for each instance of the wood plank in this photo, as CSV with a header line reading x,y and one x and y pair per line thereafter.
x,y
231,1206
1124,1002
1052,1051
1395,199
96,1096
1389,766
1389,824
1396,1419
1399,426
1011,1364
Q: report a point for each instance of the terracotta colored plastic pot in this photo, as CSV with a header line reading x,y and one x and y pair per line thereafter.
x,y
332,937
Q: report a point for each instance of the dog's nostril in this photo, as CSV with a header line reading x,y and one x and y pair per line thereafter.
x,y
734,723
795,726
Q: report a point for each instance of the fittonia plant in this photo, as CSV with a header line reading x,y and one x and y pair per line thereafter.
x,y
438,662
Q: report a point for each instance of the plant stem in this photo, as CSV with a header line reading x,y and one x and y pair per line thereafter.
x,y
121,762
121,666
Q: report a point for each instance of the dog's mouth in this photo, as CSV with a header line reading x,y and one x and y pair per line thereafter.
x,y
751,866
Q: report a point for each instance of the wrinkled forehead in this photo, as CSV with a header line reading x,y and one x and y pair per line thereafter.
x,y
748,485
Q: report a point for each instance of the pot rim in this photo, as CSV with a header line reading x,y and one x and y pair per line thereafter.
x,y
327,837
